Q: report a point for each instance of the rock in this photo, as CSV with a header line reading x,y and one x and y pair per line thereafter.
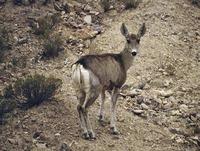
x,y
144,106
94,13
88,19
87,8
183,108
166,94
41,145
66,61
66,7
137,111
147,86
57,6
64,147
140,99
22,40
176,113
135,92
57,134
111,145
167,83
37,135
12,141
141,85
97,28
167,105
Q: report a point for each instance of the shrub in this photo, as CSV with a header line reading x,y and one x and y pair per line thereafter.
x,y
196,2
105,5
35,89
7,105
131,3
19,61
44,24
4,41
52,46
8,92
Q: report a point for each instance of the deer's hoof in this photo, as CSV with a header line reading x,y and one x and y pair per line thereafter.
x,y
114,131
101,118
92,135
85,135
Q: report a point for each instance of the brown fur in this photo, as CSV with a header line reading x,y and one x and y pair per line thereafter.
x,y
109,68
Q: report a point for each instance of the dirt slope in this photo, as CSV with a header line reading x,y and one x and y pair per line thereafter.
x,y
172,39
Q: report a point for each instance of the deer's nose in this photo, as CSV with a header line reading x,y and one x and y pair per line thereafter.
x,y
134,53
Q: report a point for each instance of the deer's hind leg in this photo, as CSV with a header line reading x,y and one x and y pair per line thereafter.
x,y
91,96
81,97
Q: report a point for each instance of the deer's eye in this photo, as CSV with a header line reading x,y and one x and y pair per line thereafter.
x,y
128,40
138,41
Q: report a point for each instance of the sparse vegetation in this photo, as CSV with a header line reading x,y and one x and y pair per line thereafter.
x,y
4,41
7,102
8,92
19,61
44,24
105,5
6,105
35,89
52,46
131,3
26,93
196,2
168,65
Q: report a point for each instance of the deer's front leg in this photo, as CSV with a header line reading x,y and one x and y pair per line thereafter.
x,y
113,111
101,111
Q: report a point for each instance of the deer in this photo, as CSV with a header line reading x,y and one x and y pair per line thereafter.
x,y
93,75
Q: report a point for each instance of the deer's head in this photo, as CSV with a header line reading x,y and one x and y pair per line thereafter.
x,y
132,40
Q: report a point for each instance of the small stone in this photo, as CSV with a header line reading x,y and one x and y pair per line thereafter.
x,y
134,92
176,113
94,13
137,111
57,134
179,140
167,105
41,145
37,135
183,108
64,147
88,19
167,83
111,145
12,141
147,86
167,93
66,61
144,106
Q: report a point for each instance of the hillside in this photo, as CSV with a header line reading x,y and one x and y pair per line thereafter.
x,y
165,74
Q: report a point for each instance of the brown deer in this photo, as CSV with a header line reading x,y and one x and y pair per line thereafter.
x,y
94,74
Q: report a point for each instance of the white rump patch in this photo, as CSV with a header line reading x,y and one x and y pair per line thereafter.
x,y
83,78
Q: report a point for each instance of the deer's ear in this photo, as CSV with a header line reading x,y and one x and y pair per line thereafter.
x,y
141,31
124,30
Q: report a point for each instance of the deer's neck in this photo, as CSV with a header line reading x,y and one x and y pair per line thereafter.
x,y
127,59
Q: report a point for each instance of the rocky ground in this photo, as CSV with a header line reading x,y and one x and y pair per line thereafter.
x,y
159,105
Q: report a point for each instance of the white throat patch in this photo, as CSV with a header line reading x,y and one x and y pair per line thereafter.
x,y
134,50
